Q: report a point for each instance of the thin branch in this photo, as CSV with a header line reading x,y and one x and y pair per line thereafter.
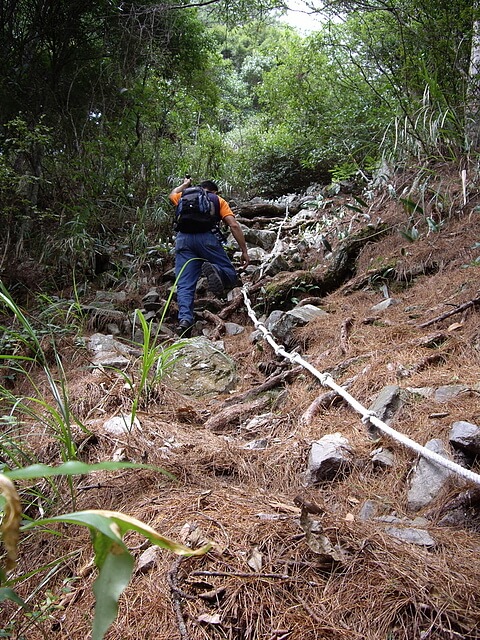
x,y
459,309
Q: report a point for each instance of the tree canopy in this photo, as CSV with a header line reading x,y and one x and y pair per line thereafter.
x,y
104,104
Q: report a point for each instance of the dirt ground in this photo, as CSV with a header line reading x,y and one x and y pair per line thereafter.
x,y
262,580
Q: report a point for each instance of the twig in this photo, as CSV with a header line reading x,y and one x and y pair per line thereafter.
x,y
176,598
344,332
238,300
240,574
327,399
272,382
217,321
462,307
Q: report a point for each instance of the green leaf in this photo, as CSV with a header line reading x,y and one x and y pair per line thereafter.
x,y
9,594
432,225
411,206
114,525
360,201
353,207
410,234
112,580
74,467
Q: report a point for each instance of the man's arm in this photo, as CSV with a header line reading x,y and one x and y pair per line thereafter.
x,y
237,233
187,182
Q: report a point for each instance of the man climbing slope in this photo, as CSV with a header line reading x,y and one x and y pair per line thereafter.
x,y
198,238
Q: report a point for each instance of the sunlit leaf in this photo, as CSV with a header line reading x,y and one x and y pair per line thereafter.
x,y
112,580
73,467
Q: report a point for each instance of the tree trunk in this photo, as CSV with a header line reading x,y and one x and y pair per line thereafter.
x,y
472,127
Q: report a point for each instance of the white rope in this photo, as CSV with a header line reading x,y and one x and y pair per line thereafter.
x,y
367,416
276,247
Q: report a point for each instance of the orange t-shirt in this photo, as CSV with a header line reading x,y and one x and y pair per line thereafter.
x,y
224,206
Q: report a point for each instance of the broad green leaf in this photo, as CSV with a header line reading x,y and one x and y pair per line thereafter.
x,y
9,594
112,580
114,525
74,467
103,544
360,201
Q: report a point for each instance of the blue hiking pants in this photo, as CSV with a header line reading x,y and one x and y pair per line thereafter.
x,y
204,247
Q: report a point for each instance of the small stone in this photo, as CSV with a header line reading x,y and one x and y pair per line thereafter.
x,y
449,392
466,437
411,536
146,562
385,304
428,479
120,425
382,458
330,456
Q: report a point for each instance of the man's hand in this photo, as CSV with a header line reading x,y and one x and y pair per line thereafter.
x,y
187,182
245,259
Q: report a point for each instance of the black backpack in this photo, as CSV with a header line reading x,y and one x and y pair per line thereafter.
x,y
197,211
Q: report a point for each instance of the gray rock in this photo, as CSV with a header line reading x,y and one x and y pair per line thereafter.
x,y
466,437
384,304
411,535
329,457
424,392
115,297
122,424
297,317
256,444
273,318
449,392
264,239
151,301
276,265
371,509
385,406
233,329
428,479
382,458
257,255
201,368
113,329
107,351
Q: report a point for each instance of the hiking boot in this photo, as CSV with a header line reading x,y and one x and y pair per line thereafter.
x,y
214,280
184,329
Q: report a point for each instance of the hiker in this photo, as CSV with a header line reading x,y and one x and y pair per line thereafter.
x,y
201,239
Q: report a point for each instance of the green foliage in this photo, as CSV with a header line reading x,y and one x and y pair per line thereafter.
x,y
108,528
155,362
132,97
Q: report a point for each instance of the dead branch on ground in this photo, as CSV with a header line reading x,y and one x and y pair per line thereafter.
x,y
452,312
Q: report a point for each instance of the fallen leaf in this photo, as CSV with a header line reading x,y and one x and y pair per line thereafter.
x,y
255,561
456,326
209,619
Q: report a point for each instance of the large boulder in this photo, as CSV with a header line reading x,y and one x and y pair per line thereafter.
x,y
201,369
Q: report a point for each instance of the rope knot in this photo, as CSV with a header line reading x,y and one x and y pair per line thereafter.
x,y
366,418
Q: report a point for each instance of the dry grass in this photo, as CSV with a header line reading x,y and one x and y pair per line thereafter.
x,y
243,499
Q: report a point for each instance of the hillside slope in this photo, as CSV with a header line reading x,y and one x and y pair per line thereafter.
x,y
242,483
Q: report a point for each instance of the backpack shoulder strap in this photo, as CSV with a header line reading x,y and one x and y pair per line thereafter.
x,y
216,203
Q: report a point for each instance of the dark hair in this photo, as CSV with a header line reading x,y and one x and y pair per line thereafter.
x,y
209,185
